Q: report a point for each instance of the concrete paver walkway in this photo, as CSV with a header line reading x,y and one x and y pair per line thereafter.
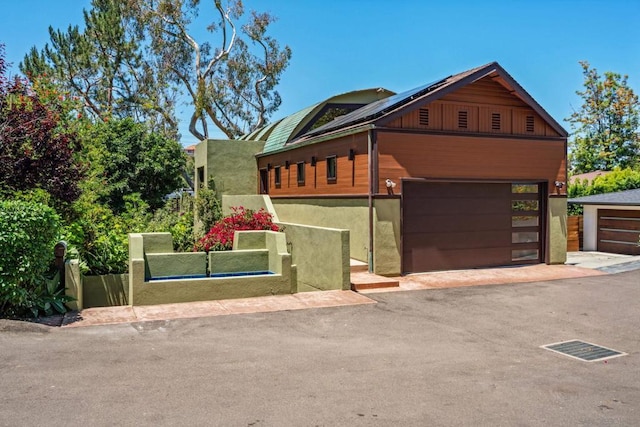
x,y
126,314
579,264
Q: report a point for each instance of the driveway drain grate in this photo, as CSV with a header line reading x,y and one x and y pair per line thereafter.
x,y
583,350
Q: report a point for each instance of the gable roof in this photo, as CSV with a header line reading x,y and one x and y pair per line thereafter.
x,y
385,110
621,198
277,135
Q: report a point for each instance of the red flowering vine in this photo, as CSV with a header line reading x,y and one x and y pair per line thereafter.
x,y
220,237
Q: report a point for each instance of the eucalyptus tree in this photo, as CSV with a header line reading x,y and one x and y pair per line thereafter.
x,y
229,71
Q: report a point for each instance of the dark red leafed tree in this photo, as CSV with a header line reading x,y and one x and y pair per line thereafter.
x,y
35,149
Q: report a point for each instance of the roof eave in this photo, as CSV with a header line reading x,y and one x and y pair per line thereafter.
x,y
319,138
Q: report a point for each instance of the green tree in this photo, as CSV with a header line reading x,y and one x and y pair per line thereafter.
x,y
126,158
231,79
605,128
104,65
36,151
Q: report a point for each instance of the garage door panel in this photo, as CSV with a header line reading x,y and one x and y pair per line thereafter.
x,y
467,225
617,235
430,259
619,231
456,190
451,223
622,223
473,205
459,240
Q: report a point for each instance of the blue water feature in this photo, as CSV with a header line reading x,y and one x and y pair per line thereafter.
x,y
213,275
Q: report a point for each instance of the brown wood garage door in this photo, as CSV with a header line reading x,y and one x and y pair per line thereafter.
x,y
455,225
618,231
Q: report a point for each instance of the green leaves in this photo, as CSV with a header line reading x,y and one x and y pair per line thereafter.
x,y
28,232
605,128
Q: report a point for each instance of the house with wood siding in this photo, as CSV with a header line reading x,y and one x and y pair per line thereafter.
x,y
467,171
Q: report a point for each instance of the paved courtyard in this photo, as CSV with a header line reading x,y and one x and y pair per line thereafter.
x,y
456,356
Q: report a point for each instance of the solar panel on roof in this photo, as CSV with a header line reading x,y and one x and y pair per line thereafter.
x,y
377,108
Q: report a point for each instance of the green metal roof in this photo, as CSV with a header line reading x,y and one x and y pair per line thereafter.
x,y
282,132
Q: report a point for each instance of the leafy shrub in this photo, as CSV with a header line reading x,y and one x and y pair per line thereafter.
x,y
207,210
614,181
100,239
28,233
220,237
176,217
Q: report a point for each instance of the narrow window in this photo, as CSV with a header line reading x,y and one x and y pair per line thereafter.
x,y
332,169
200,182
424,116
276,176
300,172
462,119
495,121
530,123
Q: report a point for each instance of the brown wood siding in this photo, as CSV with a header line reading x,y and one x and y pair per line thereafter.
x,y
481,99
404,155
485,91
352,175
619,231
574,233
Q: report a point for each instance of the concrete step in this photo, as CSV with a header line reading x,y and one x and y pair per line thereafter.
x,y
361,280
357,266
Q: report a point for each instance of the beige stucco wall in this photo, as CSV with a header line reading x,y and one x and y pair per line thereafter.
x,y
557,223
343,214
231,165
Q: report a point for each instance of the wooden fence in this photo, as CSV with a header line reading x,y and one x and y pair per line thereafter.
x,y
574,233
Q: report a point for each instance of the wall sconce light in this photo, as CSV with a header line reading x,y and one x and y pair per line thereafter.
x,y
286,164
268,166
313,160
559,185
352,154
390,186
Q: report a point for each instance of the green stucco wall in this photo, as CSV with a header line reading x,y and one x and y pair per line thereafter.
x,y
239,261
557,248
94,291
321,256
175,264
231,165
105,291
386,235
73,284
342,214
253,202
141,292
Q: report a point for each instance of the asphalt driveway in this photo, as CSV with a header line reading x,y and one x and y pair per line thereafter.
x,y
459,356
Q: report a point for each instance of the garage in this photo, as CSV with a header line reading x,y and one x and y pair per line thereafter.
x,y
611,222
618,231
457,225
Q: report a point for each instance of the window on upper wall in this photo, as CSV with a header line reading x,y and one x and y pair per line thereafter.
x,y
277,176
530,124
463,118
332,168
300,173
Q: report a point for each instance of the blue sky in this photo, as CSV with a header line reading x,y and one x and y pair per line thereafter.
x,y
344,45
